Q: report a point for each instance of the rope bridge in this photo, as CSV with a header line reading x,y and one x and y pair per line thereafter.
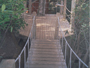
x,y
49,40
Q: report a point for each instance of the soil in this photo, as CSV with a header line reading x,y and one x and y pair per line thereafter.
x,y
11,46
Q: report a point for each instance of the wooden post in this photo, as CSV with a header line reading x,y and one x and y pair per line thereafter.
x,y
89,42
56,27
61,8
65,4
30,6
34,26
72,15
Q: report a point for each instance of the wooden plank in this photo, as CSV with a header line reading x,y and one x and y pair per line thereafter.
x,y
46,62
45,66
46,59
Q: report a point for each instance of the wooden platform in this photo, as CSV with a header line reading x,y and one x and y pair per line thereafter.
x,y
45,54
45,26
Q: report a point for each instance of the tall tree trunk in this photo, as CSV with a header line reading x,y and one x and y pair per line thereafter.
x,y
41,7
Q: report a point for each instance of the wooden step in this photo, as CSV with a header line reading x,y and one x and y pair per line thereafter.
x,y
45,47
49,45
46,56
46,59
43,52
55,41
45,66
46,62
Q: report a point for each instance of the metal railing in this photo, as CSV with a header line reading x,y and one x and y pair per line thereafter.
x,y
26,48
66,44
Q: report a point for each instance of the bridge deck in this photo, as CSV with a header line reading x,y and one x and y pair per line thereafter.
x,y
45,51
45,54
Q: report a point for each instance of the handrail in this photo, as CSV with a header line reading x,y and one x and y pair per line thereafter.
x,y
68,10
24,48
71,50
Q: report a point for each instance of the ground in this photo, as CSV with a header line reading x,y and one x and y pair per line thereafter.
x,y
11,46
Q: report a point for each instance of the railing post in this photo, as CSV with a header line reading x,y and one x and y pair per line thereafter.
x,y
24,57
19,61
28,46
65,50
30,6
65,4
70,58
61,7
34,26
56,27
79,63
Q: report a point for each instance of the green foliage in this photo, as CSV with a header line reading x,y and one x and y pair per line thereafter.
x,y
11,15
81,35
82,16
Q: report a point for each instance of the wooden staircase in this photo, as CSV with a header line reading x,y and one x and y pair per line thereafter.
x,y
45,54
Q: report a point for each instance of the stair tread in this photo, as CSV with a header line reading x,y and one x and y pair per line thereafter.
x,y
45,59
45,66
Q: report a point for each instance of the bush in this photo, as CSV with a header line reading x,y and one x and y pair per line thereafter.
x,y
10,15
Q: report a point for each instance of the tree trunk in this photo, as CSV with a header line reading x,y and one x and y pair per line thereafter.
x,y
30,8
42,7
73,14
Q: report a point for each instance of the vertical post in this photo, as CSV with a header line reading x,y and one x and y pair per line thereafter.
x,y
65,50
65,4
61,8
79,63
70,58
30,6
34,26
72,14
62,42
19,61
24,57
28,46
44,7
56,27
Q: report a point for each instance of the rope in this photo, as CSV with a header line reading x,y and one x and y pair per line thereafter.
x,y
26,42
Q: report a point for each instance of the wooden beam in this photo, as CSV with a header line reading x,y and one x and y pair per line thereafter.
x,y
34,26
56,27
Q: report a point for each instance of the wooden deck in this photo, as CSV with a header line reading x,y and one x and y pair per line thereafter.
x,y
45,26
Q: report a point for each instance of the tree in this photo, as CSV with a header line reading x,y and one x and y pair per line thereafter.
x,y
41,7
80,40
11,19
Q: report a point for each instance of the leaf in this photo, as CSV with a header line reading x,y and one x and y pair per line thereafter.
x,y
3,7
10,0
11,28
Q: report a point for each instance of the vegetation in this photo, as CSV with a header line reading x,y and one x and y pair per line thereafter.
x,y
11,18
10,15
80,39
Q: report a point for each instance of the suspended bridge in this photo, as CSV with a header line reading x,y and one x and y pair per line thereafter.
x,y
46,46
